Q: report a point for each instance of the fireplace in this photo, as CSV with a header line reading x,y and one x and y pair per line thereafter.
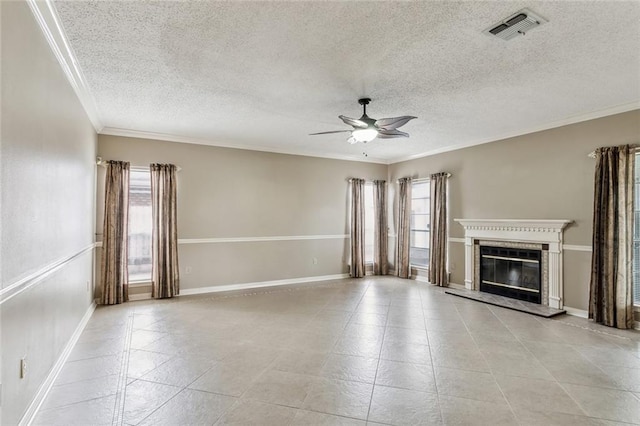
x,y
511,247
511,272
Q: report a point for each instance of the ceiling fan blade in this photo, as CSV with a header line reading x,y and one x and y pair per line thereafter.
x,y
392,133
353,122
326,133
393,123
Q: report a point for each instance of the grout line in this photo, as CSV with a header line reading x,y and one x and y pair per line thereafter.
x,y
375,377
118,412
433,370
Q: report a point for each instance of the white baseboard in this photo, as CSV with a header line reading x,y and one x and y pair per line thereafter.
x,y
457,286
260,284
44,389
140,296
576,312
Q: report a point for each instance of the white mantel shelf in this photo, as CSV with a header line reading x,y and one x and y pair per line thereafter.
x,y
541,231
527,225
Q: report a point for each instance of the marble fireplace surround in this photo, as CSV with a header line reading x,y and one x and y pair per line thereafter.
x,y
516,232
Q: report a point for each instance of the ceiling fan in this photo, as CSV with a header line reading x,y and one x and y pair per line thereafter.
x,y
366,129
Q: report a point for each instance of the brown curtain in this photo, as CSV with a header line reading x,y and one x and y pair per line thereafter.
x,y
357,228
403,266
610,296
115,274
164,269
380,257
438,230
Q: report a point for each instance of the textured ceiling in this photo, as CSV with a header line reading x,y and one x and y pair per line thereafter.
x,y
266,74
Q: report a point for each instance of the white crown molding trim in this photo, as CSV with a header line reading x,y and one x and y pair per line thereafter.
x,y
260,239
618,109
456,240
30,280
572,247
113,131
576,312
49,22
260,284
44,389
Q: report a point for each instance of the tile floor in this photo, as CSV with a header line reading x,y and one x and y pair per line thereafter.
x,y
349,352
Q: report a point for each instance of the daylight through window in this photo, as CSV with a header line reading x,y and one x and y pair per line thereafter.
x,y
420,218
140,225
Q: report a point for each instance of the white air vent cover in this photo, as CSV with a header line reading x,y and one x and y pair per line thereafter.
x,y
517,24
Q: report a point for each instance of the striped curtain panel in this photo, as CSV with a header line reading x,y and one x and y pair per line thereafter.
x,y
403,266
610,294
357,228
438,230
114,262
380,248
164,246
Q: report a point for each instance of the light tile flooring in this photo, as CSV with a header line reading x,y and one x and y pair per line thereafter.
x,y
349,352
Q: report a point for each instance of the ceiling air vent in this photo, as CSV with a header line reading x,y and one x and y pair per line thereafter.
x,y
517,24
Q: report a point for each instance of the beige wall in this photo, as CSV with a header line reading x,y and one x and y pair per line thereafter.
x,y
228,193
47,149
543,175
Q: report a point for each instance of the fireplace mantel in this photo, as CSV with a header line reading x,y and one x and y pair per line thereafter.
x,y
541,231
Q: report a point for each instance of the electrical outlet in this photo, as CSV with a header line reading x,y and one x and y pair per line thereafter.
x,y
315,260
23,368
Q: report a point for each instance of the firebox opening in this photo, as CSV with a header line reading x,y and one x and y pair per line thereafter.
x,y
511,272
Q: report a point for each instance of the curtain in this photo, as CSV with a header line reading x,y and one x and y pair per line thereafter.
x,y
380,257
404,222
164,246
357,228
610,295
115,274
438,230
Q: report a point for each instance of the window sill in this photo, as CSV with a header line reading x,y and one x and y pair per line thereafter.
x,y
420,268
140,283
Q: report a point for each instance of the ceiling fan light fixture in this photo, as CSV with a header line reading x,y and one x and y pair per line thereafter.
x,y
366,129
364,135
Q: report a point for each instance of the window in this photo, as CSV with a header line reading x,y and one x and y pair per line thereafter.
x,y
636,234
369,220
140,220
420,218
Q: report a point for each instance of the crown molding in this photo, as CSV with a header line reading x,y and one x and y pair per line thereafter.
x,y
618,109
49,22
114,131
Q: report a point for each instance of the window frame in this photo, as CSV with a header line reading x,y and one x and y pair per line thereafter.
x,y
413,229
139,277
369,219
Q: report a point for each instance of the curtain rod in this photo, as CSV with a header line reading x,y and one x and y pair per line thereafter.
x,y
424,179
592,154
103,163
366,180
